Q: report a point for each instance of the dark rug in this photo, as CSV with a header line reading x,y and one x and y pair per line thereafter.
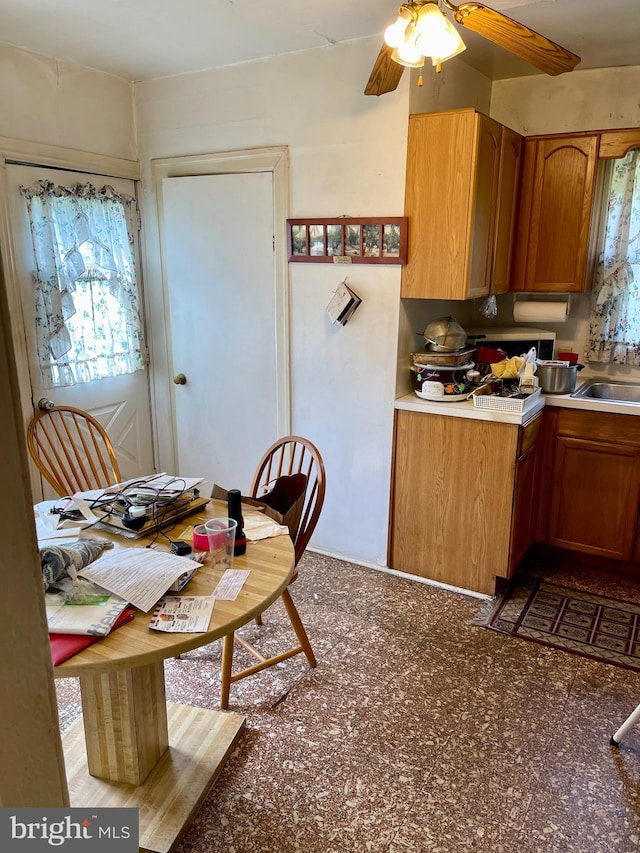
x,y
594,626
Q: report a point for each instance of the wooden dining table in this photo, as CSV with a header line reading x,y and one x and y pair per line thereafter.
x,y
130,748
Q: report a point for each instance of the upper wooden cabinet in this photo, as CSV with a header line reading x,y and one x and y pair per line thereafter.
x,y
459,203
554,217
507,199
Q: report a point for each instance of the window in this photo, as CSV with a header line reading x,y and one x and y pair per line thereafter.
x,y
614,330
88,323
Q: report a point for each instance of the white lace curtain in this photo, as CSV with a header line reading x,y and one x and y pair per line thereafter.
x,y
87,312
614,329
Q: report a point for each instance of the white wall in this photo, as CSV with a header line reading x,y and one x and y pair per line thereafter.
x,y
54,102
593,99
347,156
456,86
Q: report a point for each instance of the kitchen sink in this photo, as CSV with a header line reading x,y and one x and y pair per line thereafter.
x,y
614,392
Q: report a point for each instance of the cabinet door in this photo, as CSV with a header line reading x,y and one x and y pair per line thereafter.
x,y
554,218
595,492
508,182
451,186
524,518
452,493
483,203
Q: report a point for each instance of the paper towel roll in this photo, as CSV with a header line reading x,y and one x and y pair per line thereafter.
x,y
540,312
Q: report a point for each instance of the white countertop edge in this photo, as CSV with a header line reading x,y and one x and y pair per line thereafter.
x,y
466,409
566,401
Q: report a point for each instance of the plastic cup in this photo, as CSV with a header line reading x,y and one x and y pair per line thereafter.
x,y
221,535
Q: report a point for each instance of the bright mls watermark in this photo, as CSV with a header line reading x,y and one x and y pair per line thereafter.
x,y
35,830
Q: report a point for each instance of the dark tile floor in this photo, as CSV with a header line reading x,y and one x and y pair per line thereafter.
x,y
418,730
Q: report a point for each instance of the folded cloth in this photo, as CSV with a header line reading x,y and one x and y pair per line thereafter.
x,y
63,561
508,368
259,526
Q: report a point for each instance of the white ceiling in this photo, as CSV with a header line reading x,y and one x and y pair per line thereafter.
x,y
143,39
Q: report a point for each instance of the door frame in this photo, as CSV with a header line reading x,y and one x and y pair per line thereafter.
x,y
275,160
26,153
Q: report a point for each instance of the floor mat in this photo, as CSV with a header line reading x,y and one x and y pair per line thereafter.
x,y
605,629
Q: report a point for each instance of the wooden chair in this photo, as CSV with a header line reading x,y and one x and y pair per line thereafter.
x,y
71,449
289,455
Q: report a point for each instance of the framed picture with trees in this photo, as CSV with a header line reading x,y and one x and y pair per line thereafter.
x,y
348,240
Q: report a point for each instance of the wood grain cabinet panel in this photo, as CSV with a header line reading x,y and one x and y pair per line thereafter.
x,y
555,213
508,184
453,161
595,484
524,515
457,489
595,493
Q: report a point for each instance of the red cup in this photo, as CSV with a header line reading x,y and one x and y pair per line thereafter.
x,y
571,357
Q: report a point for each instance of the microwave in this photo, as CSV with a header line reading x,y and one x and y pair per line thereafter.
x,y
515,341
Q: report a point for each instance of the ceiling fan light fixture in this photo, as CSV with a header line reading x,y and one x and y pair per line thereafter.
x,y
408,56
435,35
397,32
438,60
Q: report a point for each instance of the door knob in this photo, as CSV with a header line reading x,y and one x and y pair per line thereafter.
x,y
180,379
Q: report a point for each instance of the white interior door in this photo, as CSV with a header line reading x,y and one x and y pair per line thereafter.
x,y
218,253
120,403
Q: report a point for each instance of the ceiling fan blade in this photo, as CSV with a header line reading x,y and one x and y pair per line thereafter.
x,y
529,45
385,75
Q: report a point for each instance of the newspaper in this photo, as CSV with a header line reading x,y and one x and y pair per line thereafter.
x,y
92,619
182,613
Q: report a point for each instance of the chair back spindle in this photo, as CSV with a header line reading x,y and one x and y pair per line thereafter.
x,y
294,455
72,450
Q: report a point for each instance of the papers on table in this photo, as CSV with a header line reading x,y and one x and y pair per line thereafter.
x,y
192,613
182,613
49,525
93,619
230,584
150,486
139,575
257,525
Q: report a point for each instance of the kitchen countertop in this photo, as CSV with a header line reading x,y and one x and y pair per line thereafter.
x,y
466,409
566,401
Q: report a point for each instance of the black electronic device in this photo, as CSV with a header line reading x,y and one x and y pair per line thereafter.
x,y
132,523
180,547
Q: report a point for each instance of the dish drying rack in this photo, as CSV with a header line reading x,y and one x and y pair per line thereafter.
x,y
485,397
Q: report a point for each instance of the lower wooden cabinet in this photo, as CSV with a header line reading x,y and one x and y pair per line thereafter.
x,y
595,485
463,498
525,507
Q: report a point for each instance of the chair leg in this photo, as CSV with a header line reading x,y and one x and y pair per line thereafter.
x,y
259,619
225,673
298,627
228,677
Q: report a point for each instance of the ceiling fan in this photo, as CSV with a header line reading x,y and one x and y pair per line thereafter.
x,y
423,30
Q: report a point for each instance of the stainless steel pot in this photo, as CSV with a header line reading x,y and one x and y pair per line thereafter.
x,y
445,335
558,378
461,356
